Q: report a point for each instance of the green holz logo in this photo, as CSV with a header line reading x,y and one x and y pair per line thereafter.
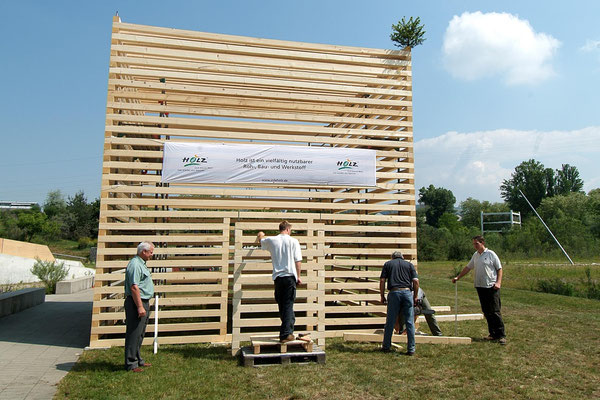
x,y
196,160
347,164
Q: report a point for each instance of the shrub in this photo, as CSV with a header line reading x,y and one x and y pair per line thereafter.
x,y
592,287
50,272
556,286
84,242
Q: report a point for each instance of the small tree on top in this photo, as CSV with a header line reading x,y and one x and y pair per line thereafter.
x,y
408,33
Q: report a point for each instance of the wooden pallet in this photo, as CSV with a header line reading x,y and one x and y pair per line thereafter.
x,y
249,359
273,344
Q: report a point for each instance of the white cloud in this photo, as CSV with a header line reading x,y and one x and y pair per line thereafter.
x,y
591,46
474,164
478,45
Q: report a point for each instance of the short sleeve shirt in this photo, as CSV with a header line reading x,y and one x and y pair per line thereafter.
x,y
486,267
285,251
137,273
399,273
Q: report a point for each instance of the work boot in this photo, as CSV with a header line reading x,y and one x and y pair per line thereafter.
x,y
288,338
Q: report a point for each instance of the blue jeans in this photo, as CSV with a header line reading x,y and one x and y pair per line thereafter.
x,y
400,301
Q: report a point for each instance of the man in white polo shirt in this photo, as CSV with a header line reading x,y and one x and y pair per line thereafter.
x,y
286,258
488,280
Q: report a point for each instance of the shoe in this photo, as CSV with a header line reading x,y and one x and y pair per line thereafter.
x,y
288,338
417,332
137,369
502,341
145,365
489,337
410,353
384,350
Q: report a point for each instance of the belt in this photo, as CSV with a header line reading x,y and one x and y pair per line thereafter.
x,y
397,289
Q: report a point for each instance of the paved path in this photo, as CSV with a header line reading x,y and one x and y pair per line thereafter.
x,y
38,346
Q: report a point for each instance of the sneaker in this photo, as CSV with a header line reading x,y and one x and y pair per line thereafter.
x,y
418,332
489,337
502,341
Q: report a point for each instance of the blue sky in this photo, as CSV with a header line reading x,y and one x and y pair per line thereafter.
x,y
494,84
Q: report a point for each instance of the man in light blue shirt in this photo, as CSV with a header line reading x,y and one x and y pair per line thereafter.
x,y
139,289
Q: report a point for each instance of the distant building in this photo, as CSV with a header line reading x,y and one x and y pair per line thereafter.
x,y
17,205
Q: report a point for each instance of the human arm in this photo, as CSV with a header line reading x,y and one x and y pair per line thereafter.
x,y
498,280
298,264
462,273
415,289
137,299
382,289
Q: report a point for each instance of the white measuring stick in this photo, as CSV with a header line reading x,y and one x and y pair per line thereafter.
x,y
156,324
456,308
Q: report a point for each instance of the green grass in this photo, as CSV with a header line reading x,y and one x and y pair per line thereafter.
x,y
70,247
552,353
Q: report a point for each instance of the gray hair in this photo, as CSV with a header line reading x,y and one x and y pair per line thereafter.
x,y
397,254
144,246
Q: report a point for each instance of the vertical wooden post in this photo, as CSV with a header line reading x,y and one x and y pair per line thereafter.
x,y
224,277
237,290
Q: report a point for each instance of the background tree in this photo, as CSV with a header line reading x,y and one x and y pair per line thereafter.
x,y
470,211
437,201
55,204
81,219
533,179
408,33
567,180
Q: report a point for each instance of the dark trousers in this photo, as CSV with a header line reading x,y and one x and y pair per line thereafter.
x,y
489,298
430,318
134,333
285,294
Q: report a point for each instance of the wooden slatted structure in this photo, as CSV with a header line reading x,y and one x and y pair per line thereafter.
x,y
174,85
254,311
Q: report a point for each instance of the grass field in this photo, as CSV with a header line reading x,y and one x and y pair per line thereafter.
x,y
552,353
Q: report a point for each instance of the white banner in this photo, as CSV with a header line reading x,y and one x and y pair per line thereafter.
x,y
269,164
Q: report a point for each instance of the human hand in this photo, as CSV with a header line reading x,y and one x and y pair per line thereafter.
x,y
455,279
141,312
298,282
383,299
496,286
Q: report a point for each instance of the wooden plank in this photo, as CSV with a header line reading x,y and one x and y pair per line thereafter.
x,y
262,42
256,93
263,52
274,115
378,338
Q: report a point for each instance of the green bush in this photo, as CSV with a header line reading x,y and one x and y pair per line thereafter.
x,y
49,272
556,286
592,287
85,242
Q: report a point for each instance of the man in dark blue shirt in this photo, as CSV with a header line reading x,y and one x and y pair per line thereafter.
x,y
403,286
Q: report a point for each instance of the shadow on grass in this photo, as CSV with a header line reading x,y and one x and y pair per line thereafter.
x,y
345,347
209,353
97,366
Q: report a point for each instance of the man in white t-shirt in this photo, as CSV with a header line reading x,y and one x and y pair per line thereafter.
x,y
488,280
286,258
